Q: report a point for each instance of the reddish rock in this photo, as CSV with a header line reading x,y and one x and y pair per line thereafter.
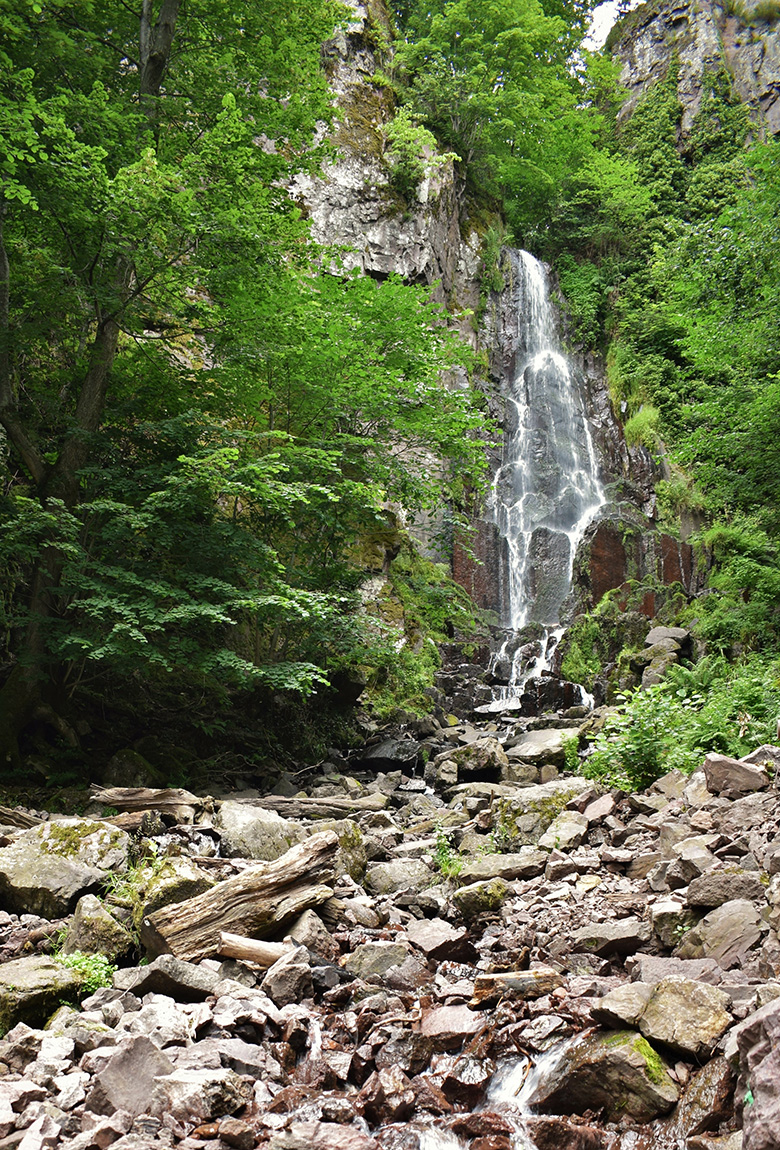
x,y
478,566
564,1134
484,1123
608,564
449,1026
428,1096
466,1079
387,1096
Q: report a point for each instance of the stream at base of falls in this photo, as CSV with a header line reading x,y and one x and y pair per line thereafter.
x,y
546,491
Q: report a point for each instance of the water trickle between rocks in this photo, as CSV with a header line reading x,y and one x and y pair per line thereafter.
x,y
547,489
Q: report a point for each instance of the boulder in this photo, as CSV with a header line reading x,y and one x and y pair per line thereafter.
x,y
198,1094
687,1017
537,747
480,897
484,759
440,942
171,880
126,1077
184,981
733,778
322,1136
448,1027
525,863
373,959
387,1096
92,930
758,1087
252,832
32,988
565,832
725,934
619,1072
616,936
521,817
289,978
392,755
46,869
351,856
725,884
400,875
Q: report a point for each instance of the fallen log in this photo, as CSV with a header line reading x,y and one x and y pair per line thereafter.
x,y
325,808
534,983
251,949
167,800
255,903
11,817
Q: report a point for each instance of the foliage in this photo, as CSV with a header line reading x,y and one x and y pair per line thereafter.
x,y
713,706
446,860
642,428
413,153
96,970
493,82
204,412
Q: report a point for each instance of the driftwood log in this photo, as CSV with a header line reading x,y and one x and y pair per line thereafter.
x,y
167,800
255,903
11,817
255,950
534,983
326,808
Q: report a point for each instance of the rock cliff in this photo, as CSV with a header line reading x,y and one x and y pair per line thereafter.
x,y
705,37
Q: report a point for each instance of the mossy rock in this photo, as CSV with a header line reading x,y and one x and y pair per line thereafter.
x,y
31,989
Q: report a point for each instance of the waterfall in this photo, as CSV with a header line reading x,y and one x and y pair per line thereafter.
x,y
547,489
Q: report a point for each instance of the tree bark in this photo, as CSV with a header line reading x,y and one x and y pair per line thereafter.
x,y
257,902
251,949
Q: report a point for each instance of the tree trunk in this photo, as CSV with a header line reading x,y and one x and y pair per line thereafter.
x,y
257,902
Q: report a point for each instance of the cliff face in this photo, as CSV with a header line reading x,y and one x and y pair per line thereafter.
x,y
704,37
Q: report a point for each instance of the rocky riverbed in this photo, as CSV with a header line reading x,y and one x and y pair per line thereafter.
x,y
506,956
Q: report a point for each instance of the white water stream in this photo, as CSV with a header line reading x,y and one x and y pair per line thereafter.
x,y
547,489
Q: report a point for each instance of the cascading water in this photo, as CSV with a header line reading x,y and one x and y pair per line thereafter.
x,y
547,489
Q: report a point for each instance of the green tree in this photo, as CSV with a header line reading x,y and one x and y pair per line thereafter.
x,y
199,419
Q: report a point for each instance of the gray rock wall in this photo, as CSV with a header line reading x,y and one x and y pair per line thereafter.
x,y
705,37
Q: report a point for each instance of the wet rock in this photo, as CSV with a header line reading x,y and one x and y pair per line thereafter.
x,y
92,930
402,875
758,1087
624,1005
387,1096
558,1134
618,1072
732,778
480,897
32,988
253,832
465,1079
449,1026
49,867
726,934
621,936
707,1102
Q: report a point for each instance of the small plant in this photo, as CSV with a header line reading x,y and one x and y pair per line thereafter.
x,y
96,969
571,753
447,861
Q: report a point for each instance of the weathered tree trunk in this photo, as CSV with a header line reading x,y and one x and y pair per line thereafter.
x,y
255,903
318,808
251,949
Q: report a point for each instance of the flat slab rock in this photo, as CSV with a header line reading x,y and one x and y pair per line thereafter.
x,y
449,1026
733,778
618,936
